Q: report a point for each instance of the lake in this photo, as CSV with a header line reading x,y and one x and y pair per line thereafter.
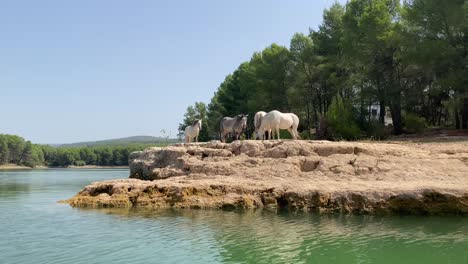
x,y
35,228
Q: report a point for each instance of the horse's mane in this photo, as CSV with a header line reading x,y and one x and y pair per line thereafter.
x,y
195,122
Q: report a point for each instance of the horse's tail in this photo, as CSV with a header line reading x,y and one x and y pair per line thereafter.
x,y
259,123
256,121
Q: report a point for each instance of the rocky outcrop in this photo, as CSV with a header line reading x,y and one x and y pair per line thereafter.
x,y
321,176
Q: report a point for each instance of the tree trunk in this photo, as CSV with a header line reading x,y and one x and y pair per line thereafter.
x,y
362,117
395,108
464,121
457,119
369,112
382,112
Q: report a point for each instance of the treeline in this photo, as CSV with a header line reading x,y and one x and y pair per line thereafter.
x,y
16,150
368,61
80,156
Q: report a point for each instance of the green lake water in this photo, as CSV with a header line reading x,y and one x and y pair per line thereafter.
x,y
34,228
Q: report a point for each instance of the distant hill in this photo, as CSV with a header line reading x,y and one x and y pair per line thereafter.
x,y
121,142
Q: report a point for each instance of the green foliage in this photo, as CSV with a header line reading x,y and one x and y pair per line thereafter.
x,y
4,152
284,134
306,135
32,155
375,130
16,147
80,163
341,121
414,123
405,56
165,138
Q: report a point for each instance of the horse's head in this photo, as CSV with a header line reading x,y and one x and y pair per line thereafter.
x,y
243,120
198,123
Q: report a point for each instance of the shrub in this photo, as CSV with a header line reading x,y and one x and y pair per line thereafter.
x,y
284,134
376,130
341,120
414,123
80,163
306,134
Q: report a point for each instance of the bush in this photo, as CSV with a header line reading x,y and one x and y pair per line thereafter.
x,y
80,163
414,123
284,134
341,120
376,130
306,134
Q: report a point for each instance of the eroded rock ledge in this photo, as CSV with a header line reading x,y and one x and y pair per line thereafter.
x,y
321,176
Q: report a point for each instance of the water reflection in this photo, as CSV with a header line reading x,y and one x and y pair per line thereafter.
x,y
11,190
266,237
11,186
36,229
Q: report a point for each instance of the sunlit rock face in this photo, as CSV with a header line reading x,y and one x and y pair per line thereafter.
x,y
316,176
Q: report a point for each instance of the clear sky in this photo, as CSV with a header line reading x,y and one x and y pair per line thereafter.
x,y
89,70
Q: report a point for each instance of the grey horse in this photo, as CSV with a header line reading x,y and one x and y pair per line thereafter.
x,y
235,125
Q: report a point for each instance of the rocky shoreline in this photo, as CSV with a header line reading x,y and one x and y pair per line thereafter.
x,y
314,176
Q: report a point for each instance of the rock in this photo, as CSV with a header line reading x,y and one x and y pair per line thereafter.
x,y
315,176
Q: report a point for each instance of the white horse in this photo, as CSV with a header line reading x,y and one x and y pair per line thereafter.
x,y
257,121
276,120
193,131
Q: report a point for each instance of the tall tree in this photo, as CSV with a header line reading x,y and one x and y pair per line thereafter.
x,y
4,153
304,69
371,39
271,69
439,34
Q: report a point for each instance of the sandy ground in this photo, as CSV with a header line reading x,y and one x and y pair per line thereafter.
x,y
14,167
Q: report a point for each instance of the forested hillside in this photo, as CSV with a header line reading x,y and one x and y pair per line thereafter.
x,y
16,150
408,59
122,141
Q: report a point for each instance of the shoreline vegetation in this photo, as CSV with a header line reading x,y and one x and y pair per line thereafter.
x,y
15,150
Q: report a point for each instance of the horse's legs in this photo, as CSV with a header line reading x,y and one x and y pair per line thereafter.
x,y
196,139
278,133
291,131
296,133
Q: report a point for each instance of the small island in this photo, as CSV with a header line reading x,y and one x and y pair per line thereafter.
x,y
313,176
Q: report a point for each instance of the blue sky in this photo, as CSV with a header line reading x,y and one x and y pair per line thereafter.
x,y
89,70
